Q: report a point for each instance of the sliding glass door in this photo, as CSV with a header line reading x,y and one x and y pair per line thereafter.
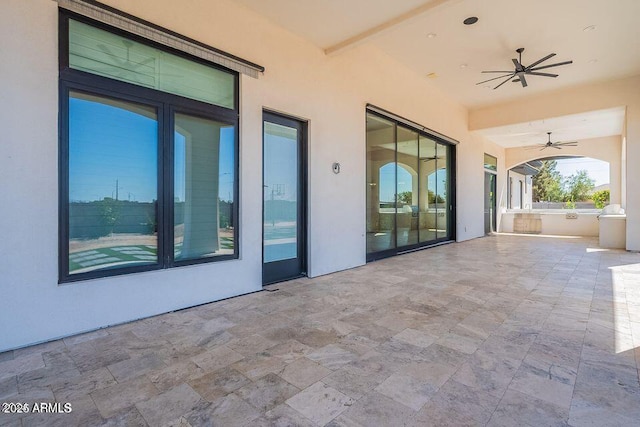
x,y
409,182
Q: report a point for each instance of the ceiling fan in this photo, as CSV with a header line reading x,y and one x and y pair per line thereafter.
x,y
558,145
127,67
520,70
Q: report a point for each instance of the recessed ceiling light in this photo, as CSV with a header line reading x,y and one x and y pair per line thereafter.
x,y
470,20
589,28
432,35
463,65
432,75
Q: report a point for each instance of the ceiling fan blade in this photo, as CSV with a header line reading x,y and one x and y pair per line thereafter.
x,y
523,80
533,73
557,148
507,79
495,78
517,64
533,147
496,71
552,65
544,147
146,61
540,61
105,49
574,143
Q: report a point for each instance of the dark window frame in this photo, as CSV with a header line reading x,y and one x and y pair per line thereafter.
x,y
302,127
166,105
452,182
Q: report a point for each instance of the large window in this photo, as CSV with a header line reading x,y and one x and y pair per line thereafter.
x,y
409,187
148,155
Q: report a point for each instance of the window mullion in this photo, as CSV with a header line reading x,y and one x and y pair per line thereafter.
x,y
166,226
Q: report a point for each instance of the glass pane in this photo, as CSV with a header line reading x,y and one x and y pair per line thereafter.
x,y
490,162
442,193
113,158
110,55
381,184
427,216
489,202
204,183
407,187
280,192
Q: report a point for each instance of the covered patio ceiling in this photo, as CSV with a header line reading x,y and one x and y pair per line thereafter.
x,y
600,37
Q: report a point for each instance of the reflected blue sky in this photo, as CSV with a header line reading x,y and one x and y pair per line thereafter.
x,y
281,161
114,149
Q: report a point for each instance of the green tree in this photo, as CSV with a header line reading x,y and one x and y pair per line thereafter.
x,y
601,198
433,198
109,209
579,186
547,184
406,197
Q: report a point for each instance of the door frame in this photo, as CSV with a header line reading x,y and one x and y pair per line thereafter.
x,y
493,215
451,210
303,185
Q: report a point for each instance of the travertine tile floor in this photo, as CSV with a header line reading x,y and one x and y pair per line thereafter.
x,y
499,331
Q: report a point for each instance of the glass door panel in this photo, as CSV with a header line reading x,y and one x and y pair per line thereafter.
x,y
442,193
427,214
409,196
489,202
381,184
407,187
283,206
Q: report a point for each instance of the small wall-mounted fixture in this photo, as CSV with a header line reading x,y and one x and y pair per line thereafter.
x,y
470,20
336,167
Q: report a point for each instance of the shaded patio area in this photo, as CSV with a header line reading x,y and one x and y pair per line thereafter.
x,y
503,331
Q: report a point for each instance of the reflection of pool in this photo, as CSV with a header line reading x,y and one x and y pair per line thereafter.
x,y
100,258
280,241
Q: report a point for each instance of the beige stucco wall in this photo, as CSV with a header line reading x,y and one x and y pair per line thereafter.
x,y
330,92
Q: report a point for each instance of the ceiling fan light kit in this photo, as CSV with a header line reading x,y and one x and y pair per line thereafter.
x,y
518,75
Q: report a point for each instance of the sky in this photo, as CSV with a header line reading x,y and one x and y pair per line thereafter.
x,y
281,165
110,146
597,169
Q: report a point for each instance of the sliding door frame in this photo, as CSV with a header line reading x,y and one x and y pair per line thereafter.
x,y
451,162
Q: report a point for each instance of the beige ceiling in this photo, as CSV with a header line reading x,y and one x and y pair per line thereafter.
x,y
458,53
575,127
